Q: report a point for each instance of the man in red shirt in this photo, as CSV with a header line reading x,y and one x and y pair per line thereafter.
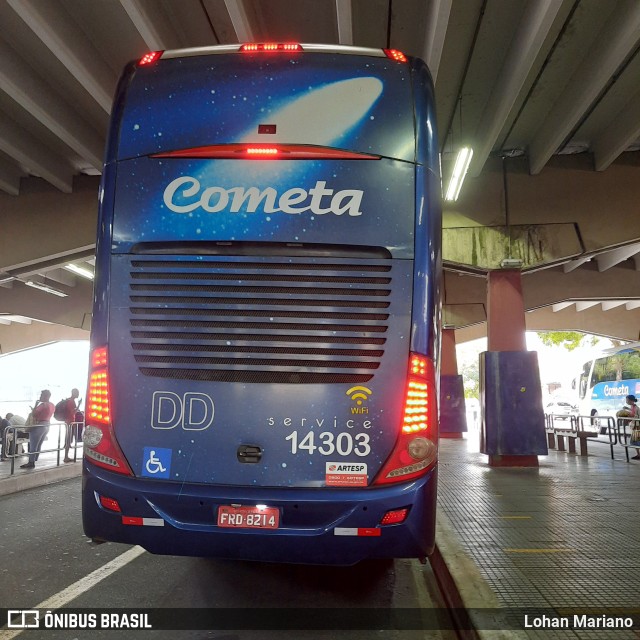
x,y
41,413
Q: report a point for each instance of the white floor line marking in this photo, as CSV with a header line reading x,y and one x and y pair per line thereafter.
x,y
77,588
422,593
424,598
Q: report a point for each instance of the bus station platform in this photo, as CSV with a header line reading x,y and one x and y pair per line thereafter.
x,y
552,540
49,468
559,539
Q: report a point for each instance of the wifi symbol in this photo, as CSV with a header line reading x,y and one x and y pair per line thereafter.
x,y
358,394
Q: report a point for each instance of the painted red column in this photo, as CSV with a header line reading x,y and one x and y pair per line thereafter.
x,y
453,418
506,326
448,358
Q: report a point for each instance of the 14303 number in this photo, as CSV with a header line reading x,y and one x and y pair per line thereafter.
x,y
329,444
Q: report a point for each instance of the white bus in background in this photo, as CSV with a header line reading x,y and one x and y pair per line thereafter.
x,y
606,379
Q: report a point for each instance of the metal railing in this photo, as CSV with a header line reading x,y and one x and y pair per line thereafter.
x,y
13,440
563,426
617,431
624,431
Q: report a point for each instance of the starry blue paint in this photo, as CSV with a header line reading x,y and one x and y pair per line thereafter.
x,y
187,102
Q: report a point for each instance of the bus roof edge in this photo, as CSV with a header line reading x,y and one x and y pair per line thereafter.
x,y
306,48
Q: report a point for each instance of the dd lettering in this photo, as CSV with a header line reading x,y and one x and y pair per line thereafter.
x,y
192,411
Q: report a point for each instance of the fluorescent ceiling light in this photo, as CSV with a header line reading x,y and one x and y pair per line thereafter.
x,y
459,172
85,273
45,287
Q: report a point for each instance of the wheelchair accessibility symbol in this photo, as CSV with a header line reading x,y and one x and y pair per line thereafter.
x,y
156,462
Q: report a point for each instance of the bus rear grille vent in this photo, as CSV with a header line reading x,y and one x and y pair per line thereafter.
x,y
258,320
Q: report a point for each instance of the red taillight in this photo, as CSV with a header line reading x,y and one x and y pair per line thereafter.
x,y
149,58
110,503
98,402
395,517
416,406
416,448
257,151
100,445
394,54
99,358
270,46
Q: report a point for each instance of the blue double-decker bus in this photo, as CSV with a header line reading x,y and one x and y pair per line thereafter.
x,y
266,319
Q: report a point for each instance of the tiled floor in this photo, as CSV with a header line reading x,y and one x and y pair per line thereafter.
x,y
565,535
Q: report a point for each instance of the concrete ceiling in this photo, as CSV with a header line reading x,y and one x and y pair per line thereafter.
x,y
545,91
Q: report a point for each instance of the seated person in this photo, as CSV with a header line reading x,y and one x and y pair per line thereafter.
x,y
11,420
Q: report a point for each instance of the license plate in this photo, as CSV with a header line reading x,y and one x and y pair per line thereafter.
x,y
248,517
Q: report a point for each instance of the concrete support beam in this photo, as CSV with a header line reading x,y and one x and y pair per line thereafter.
x,y
535,24
582,306
28,151
616,42
150,22
623,325
623,131
44,104
546,287
345,22
565,302
438,12
567,191
58,32
71,311
10,176
612,258
240,19
15,337
44,222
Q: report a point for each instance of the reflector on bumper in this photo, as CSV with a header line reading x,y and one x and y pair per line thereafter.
x,y
143,522
346,531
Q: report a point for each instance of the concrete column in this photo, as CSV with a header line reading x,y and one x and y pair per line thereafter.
x,y
453,417
512,431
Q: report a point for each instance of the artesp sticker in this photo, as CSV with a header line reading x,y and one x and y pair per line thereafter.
x,y
346,474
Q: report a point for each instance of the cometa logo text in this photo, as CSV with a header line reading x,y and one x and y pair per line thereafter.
x,y
186,194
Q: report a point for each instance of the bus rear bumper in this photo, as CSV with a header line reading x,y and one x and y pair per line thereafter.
x,y
317,525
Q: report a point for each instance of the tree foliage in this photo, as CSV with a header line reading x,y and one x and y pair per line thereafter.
x,y
471,379
570,340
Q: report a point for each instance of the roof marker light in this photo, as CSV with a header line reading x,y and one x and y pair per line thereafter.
x,y
270,46
396,55
149,58
262,151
